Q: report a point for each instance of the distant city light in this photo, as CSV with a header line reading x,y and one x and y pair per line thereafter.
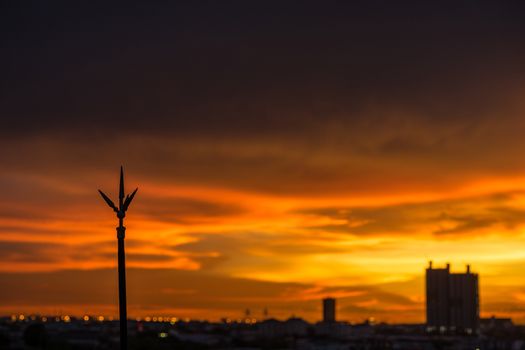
x,y
163,335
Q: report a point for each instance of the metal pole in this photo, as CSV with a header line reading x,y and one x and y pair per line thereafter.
x,y
123,205
121,231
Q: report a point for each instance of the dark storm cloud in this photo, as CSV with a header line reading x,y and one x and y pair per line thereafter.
x,y
262,96
264,68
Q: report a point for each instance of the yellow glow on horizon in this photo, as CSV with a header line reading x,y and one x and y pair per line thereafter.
x,y
289,239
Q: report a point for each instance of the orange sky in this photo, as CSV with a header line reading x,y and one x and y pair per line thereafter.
x,y
283,252
282,154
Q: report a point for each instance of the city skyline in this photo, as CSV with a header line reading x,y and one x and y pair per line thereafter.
x,y
284,154
326,311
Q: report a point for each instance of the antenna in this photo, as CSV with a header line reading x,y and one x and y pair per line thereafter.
x,y
123,205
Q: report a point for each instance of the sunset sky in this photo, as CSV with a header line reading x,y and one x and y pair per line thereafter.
x,y
284,152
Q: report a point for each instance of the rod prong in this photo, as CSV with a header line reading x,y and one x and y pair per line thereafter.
x,y
129,198
108,201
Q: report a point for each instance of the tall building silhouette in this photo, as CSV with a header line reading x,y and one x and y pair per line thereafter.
x,y
452,300
329,310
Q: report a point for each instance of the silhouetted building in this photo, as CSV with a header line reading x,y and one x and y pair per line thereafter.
x,y
495,323
452,300
329,310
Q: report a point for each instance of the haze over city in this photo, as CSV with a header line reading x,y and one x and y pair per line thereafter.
x,y
284,153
